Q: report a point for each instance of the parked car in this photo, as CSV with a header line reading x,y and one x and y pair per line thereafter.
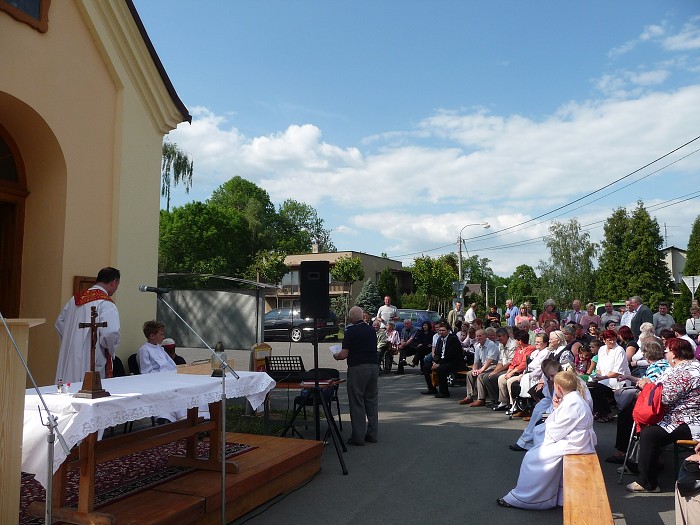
x,y
417,317
287,324
600,307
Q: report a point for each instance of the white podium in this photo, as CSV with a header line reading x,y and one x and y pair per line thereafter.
x,y
13,380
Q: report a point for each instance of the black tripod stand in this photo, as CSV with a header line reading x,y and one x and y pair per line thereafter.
x,y
316,393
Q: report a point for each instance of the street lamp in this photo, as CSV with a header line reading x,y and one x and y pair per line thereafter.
x,y
485,225
495,293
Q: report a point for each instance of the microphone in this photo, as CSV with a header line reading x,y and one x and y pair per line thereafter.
x,y
144,288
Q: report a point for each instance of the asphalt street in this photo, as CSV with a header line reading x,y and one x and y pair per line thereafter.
x,y
435,462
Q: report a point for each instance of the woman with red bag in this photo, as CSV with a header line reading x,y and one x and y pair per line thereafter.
x,y
681,420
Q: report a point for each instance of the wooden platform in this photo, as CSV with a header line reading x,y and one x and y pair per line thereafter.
x,y
275,467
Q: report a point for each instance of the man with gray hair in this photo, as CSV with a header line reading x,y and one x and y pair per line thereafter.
x,y
506,346
486,355
408,344
642,314
360,349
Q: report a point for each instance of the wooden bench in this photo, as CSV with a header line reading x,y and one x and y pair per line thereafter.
x,y
585,495
679,447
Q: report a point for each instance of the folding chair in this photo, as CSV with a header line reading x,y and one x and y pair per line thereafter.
x,y
330,393
627,454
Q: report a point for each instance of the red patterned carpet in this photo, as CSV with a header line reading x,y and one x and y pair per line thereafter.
x,y
121,477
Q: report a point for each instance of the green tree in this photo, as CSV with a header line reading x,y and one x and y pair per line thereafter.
x,y
301,226
417,301
176,167
369,298
478,271
433,279
569,274
387,285
647,271
197,238
524,285
692,267
347,270
612,275
268,266
240,197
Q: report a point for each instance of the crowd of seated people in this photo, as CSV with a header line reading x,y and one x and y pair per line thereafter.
x,y
505,361
513,369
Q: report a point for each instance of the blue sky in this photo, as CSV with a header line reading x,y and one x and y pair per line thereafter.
x,y
403,121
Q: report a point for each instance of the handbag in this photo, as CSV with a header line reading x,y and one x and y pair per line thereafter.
x,y
434,378
688,479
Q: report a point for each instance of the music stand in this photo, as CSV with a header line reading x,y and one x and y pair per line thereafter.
x,y
316,393
282,367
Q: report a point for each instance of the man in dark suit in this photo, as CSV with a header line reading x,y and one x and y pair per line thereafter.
x,y
642,314
448,357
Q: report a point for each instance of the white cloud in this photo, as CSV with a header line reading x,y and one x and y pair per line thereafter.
x,y
347,230
687,39
649,78
652,32
470,167
649,33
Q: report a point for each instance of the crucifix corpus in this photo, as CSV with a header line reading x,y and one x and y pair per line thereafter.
x,y
92,383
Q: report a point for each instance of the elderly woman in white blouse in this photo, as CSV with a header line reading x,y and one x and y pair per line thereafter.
x,y
612,363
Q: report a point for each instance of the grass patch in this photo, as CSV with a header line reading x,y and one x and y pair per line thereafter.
x,y
238,421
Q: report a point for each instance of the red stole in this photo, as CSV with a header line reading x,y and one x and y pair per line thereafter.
x,y
88,296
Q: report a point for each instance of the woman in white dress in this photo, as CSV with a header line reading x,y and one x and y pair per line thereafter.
x,y
569,430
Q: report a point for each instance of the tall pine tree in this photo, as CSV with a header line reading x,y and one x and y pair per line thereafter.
x,y
612,275
647,271
369,299
692,267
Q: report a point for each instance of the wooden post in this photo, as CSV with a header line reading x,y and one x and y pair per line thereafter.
x,y
13,381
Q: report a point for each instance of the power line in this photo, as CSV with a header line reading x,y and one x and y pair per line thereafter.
x,y
612,192
589,226
588,194
497,232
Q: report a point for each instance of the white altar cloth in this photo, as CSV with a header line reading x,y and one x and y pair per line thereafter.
x,y
132,398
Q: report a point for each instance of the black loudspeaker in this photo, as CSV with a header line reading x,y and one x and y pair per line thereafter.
x,y
313,282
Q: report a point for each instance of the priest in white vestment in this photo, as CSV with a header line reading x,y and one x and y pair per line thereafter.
x,y
74,356
568,430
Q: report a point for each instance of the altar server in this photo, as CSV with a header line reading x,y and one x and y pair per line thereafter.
x,y
153,358
569,430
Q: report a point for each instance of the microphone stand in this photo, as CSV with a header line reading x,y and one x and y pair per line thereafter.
x,y
51,424
224,366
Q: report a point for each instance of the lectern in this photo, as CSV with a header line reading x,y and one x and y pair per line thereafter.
x,y
13,381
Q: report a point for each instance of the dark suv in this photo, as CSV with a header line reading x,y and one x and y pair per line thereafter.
x,y
286,324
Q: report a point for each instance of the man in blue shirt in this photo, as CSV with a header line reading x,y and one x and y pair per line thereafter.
x,y
511,312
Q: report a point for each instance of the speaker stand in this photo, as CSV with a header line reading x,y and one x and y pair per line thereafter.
x,y
319,399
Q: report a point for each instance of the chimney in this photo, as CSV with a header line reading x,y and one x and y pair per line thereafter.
x,y
314,247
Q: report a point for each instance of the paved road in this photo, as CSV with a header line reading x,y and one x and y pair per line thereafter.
x,y
436,463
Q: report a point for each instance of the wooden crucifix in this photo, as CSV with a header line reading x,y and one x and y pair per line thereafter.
x,y
92,383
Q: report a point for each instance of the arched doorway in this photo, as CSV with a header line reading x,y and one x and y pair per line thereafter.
x,y
13,191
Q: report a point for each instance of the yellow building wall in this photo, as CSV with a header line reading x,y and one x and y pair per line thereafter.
x,y
88,111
